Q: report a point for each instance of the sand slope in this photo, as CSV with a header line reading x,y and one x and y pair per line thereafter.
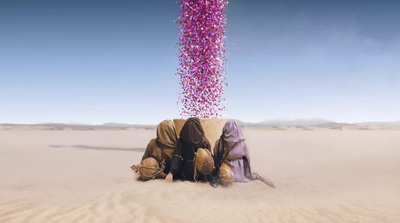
x,y
84,176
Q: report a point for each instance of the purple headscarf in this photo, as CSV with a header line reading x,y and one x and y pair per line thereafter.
x,y
232,134
232,142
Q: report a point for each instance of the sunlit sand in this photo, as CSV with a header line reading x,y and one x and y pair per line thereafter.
x,y
322,175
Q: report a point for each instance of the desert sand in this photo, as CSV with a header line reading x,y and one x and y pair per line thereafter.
x,y
322,175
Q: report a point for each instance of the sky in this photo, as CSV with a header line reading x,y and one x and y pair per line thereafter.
x,y
95,61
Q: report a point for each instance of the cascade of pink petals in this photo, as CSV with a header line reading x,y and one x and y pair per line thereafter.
x,y
202,57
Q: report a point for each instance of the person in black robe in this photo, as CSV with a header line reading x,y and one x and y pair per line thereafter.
x,y
191,138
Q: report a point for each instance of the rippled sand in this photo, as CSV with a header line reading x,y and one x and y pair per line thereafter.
x,y
84,176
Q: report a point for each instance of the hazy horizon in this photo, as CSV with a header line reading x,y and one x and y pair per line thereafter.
x,y
267,121
99,61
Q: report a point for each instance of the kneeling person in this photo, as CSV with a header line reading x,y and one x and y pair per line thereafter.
x,y
158,153
191,159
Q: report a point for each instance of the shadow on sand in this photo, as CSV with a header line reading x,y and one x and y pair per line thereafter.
x,y
100,148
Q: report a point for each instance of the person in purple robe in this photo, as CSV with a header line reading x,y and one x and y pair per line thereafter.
x,y
231,148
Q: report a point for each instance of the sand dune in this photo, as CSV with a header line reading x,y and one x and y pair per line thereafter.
x,y
84,176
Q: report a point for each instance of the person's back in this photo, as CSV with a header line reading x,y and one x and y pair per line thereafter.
x,y
191,139
162,147
231,148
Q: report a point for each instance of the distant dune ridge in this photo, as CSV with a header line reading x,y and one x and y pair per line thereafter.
x,y
63,126
273,124
295,122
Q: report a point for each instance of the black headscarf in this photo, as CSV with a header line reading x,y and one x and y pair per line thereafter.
x,y
192,133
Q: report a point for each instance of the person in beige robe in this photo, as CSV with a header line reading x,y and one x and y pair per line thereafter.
x,y
162,147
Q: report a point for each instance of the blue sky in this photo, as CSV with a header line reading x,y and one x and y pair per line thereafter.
x,y
115,61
